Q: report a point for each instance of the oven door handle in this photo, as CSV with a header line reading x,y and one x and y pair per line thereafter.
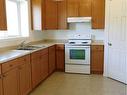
x,y
77,47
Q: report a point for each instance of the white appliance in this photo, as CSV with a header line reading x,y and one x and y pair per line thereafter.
x,y
77,56
78,19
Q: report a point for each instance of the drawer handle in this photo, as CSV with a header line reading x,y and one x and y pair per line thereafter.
x,y
10,65
4,76
24,59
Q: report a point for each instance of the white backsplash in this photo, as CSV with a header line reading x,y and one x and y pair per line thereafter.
x,y
75,29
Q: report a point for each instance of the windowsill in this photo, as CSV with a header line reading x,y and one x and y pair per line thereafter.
x,y
14,38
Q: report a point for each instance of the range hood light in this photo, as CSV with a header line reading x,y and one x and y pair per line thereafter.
x,y
78,19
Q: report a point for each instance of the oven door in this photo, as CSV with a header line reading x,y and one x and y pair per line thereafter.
x,y
77,55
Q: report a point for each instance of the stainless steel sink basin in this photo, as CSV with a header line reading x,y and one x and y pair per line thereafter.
x,y
30,47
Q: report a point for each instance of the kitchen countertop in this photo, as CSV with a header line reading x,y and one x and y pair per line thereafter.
x,y
12,54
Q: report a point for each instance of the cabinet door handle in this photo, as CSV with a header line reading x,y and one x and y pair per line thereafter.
x,y
11,65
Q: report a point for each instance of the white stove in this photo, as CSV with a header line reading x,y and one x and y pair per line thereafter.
x,y
77,56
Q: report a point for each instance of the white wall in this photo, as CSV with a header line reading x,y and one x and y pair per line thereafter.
x,y
75,29
34,36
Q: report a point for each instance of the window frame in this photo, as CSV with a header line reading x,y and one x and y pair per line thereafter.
x,y
6,33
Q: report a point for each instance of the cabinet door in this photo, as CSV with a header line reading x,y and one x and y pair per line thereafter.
x,y
3,22
51,14
25,79
60,57
85,8
36,71
52,65
98,14
44,66
62,14
11,82
97,59
36,14
72,8
1,89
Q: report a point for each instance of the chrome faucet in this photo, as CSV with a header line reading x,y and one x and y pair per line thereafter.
x,y
22,44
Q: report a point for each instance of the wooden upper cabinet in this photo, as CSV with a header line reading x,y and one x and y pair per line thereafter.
x,y
98,14
85,7
51,22
37,11
72,8
3,20
62,14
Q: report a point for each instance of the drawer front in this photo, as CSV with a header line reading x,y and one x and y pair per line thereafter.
x,y
9,65
60,47
44,51
97,48
14,63
52,49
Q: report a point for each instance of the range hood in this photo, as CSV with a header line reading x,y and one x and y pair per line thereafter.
x,y
78,19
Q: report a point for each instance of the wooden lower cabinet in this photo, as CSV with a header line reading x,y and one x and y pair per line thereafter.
x,y
39,61
1,88
36,68
25,79
17,78
11,82
60,57
97,59
52,64
44,66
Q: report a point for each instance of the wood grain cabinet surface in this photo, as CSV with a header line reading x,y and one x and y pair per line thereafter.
x,y
52,61
72,8
39,61
85,8
97,59
51,14
60,57
36,68
37,14
3,21
11,82
62,14
25,78
1,86
18,76
44,64
98,14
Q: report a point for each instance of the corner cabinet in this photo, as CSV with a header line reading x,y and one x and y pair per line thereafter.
x,y
97,59
3,21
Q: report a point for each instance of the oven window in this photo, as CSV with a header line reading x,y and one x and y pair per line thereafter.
x,y
77,54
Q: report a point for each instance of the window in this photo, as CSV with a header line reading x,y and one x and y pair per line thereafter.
x,y
17,19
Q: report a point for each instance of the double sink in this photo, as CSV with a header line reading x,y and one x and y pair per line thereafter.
x,y
31,47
